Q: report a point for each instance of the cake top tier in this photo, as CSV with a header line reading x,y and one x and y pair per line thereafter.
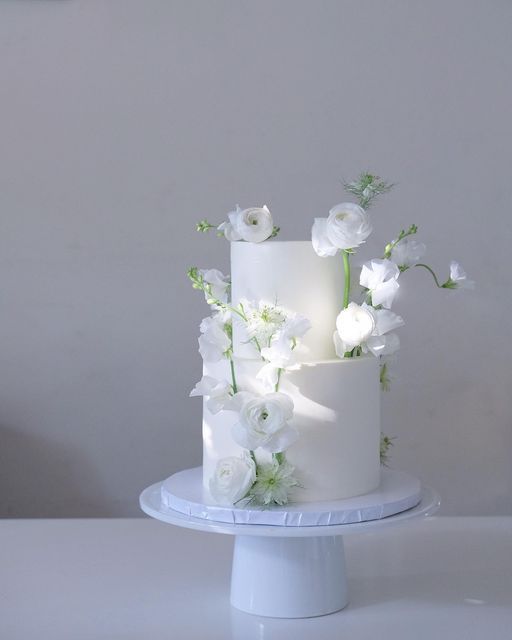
x,y
292,275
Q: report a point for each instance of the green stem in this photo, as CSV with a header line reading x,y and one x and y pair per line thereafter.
x,y
425,266
346,267
278,380
233,377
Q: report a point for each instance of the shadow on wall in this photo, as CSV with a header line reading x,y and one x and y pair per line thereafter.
x,y
52,485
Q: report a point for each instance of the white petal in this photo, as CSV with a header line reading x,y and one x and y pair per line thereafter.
x,y
243,438
387,321
383,345
385,293
339,346
321,243
284,401
281,440
204,386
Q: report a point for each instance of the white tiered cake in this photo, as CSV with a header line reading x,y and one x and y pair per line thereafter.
x,y
336,401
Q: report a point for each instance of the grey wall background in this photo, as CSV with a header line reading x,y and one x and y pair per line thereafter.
x,y
123,122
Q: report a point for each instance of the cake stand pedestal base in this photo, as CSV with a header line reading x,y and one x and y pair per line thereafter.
x,y
289,577
287,570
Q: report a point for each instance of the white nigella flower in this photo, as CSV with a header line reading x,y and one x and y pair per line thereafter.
x,y
252,225
232,479
347,227
458,278
263,421
214,341
354,325
407,252
263,320
273,484
368,328
217,392
219,284
380,277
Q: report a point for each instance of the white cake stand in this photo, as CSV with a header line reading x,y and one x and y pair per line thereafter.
x,y
284,571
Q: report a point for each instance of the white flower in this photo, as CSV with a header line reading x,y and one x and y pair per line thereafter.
x,y
232,479
273,483
368,328
347,227
263,422
218,393
354,325
284,350
458,278
263,320
214,341
252,225
408,252
382,342
294,327
380,277
219,284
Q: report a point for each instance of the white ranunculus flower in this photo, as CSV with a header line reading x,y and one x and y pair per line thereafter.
x,y
380,277
217,392
354,325
408,252
214,341
263,422
219,283
252,225
458,277
348,225
232,479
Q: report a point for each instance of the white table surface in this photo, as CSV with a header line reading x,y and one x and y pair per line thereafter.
x,y
139,578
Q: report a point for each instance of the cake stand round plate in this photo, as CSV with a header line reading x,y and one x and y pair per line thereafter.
x,y
398,491
286,571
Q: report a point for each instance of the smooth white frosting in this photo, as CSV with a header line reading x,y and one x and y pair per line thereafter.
x,y
337,414
291,274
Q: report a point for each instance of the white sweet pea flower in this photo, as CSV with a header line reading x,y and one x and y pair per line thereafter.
x,y
283,352
263,422
252,225
294,327
279,355
458,278
232,479
347,227
219,284
407,252
218,393
382,342
214,341
354,325
380,277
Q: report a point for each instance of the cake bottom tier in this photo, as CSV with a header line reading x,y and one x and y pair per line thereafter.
x,y
337,415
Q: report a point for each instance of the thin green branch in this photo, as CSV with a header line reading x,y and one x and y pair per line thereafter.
x,y
425,266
